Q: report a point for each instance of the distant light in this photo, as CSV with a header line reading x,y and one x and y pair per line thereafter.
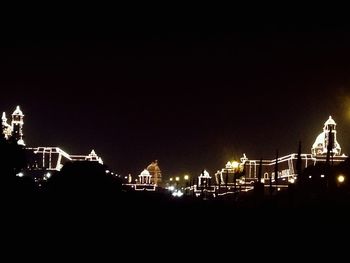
x,y
278,189
171,179
292,181
262,180
107,171
125,177
341,178
310,176
112,173
48,175
171,188
186,177
177,178
20,174
322,175
177,193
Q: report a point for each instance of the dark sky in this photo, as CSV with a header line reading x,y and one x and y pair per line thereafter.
x,y
192,100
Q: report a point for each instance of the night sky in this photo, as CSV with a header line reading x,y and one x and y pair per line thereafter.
x,y
192,100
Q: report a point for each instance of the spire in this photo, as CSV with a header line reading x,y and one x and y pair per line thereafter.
x,y
3,118
18,111
330,121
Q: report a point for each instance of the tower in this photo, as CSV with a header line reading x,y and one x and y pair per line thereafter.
x,y
6,128
17,125
327,139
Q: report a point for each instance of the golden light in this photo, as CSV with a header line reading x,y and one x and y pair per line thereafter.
x,y
171,179
235,164
340,178
177,178
186,177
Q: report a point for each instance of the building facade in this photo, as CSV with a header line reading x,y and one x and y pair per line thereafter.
x,y
40,160
155,172
286,166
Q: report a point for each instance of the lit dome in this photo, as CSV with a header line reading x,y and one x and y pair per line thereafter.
x,y
153,167
18,112
318,146
228,165
321,143
145,173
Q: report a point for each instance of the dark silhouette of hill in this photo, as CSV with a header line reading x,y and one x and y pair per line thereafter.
x,y
83,181
12,161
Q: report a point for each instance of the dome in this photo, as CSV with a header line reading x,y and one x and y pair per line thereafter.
x,y
330,121
18,111
319,141
145,173
153,167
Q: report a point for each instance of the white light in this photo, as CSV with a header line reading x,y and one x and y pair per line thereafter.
x,y
310,176
177,193
171,188
292,181
107,171
48,175
20,174
125,177
278,189
322,175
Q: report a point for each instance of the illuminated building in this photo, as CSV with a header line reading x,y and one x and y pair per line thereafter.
x,y
287,164
144,183
155,172
145,177
53,158
329,132
204,179
40,160
15,130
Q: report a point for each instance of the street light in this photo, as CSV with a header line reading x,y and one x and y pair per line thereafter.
x,y
341,178
186,177
177,178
